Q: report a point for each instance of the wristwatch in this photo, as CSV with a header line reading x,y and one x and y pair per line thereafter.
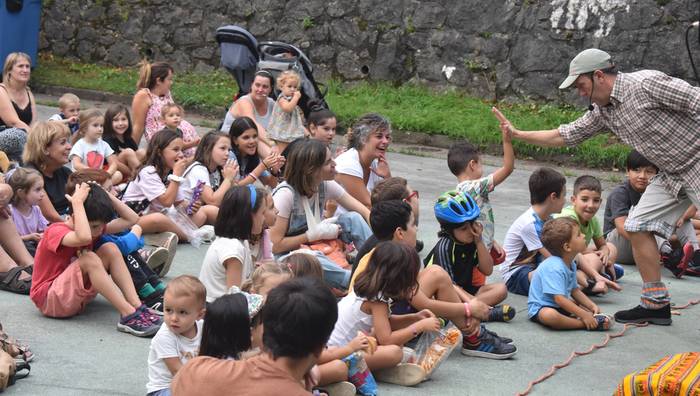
x,y
176,179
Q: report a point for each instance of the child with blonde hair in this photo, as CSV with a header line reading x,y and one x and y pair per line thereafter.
x,y
286,121
178,341
90,151
28,188
172,115
266,277
69,106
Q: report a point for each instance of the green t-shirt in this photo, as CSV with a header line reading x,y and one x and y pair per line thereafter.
x,y
590,230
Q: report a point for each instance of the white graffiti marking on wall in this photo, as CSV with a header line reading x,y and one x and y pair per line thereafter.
x,y
574,14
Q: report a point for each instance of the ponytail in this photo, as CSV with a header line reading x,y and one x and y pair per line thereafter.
x,y
144,74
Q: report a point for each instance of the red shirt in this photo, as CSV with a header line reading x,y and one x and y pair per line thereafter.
x,y
50,260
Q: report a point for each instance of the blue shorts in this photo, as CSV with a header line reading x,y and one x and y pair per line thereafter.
x,y
519,283
536,317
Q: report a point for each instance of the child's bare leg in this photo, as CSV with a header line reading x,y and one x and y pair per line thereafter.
x,y
437,285
581,279
116,267
95,271
332,372
552,318
141,155
129,157
205,215
158,222
386,356
492,293
591,265
13,245
116,178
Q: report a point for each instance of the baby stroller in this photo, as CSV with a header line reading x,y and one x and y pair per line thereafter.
x,y
242,56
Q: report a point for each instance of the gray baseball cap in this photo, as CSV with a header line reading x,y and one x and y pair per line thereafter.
x,y
586,61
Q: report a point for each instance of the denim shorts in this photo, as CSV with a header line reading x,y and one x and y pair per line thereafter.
x,y
519,283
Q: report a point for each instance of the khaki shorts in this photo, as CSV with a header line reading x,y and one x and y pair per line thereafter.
x,y
624,247
68,295
658,210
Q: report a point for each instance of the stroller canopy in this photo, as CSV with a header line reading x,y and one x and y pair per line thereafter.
x,y
239,54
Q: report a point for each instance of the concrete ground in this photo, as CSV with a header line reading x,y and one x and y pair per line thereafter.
x,y
85,355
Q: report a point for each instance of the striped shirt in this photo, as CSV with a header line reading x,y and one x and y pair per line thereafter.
x,y
657,115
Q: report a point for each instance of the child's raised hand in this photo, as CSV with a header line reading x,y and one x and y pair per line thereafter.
x,y
230,169
504,123
296,95
80,194
180,165
429,324
477,229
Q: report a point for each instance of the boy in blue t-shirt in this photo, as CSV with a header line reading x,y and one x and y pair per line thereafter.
x,y
554,299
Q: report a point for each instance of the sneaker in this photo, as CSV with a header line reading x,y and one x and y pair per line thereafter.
x,y
359,374
501,313
677,260
489,347
138,325
206,233
152,315
604,322
167,240
342,388
639,314
155,302
693,262
156,257
504,340
404,374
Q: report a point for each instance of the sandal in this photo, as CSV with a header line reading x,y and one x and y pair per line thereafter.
x,y
22,370
16,349
9,281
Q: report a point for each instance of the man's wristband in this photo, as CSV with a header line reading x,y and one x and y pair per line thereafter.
x,y
467,310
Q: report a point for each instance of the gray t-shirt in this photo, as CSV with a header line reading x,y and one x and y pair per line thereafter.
x,y
619,202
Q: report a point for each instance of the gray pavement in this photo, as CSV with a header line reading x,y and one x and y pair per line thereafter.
x,y
85,355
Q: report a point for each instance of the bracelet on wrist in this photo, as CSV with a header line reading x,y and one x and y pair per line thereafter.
x,y
467,310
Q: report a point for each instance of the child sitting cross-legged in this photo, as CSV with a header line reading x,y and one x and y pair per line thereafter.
x,y
462,252
598,270
178,341
555,300
524,250
68,274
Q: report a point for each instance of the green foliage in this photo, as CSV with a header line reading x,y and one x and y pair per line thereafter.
x,y
307,23
209,92
410,107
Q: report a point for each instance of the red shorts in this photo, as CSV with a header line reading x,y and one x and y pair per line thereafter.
x,y
68,294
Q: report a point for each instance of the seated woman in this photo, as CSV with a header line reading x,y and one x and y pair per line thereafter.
x,y
47,150
17,105
364,164
153,93
257,105
15,261
300,201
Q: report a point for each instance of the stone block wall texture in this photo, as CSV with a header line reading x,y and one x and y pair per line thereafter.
x,y
495,49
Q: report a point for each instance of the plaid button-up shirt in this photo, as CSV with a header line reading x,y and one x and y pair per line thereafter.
x,y
657,115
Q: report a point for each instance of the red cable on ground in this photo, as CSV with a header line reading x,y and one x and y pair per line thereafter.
x,y
552,370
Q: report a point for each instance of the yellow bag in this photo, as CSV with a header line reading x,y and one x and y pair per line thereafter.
x,y
674,375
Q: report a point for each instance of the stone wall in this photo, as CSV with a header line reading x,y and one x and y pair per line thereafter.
x,y
494,49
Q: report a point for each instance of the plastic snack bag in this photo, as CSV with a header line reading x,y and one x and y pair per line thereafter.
x,y
433,348
178,216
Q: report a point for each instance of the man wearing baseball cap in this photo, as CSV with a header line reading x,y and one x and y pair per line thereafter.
x,y
659,116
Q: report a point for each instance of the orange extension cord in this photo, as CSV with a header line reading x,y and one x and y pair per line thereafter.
x,y
552,370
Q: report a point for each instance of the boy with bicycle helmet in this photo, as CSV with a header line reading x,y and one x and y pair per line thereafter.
x,y
461,251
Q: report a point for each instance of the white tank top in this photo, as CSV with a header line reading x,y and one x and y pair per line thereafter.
x,y
351,319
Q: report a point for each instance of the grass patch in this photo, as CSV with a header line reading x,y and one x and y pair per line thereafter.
x,y
410,107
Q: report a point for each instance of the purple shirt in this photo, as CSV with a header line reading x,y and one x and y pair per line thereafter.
x,y
34,222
